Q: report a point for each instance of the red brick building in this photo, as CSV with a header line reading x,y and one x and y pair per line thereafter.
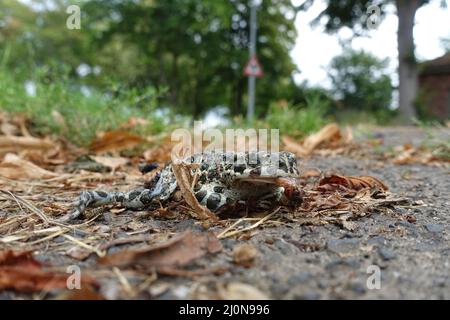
x,y
434,82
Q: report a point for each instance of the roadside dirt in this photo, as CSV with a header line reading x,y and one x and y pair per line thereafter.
x,y
285,258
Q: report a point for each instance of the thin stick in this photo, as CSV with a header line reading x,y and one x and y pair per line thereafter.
x,y
41,214
85,245
124,282
148,281
51,236
31,183
13,220
230,227
30,206
253,226
15,199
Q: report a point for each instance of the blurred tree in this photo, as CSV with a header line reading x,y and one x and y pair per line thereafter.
x,y
195,48
361,81
353,14
33,38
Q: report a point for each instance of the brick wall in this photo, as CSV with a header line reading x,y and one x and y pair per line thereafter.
x,y
437,93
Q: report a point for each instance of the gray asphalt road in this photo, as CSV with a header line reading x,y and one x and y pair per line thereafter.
x,y
412,255
402,253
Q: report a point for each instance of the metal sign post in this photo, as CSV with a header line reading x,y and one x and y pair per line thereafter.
x,y
252,52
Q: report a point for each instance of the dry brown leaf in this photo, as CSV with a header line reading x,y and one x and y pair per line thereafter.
x,y
184,178
20,271
85,293
334,201
8,129
176,252
111,162
405,157
14,124
326,134
115,141
15,168
245,255
18,144
292,146
330,136
334,182
408,154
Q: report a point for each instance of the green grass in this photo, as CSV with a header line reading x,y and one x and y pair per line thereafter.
x,y
56,98
298,121
294,121
60,108
353,117
83,115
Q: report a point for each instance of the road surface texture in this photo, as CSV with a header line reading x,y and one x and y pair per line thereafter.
x,y
409,246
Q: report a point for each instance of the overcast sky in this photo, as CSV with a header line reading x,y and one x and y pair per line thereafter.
x,y
314,49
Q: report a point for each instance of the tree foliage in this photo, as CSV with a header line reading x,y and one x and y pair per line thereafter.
x,y
195,49
350,13
34,38
360,81
198,48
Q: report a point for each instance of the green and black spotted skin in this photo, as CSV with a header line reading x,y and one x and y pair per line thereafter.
x,y
227,178
224,179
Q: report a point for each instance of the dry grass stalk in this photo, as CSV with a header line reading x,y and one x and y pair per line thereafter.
x,y
253,226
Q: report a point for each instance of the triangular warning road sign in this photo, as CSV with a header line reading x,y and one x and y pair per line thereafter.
x,y
253,68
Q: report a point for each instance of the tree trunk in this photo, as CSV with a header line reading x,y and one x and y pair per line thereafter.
x,y
406,11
